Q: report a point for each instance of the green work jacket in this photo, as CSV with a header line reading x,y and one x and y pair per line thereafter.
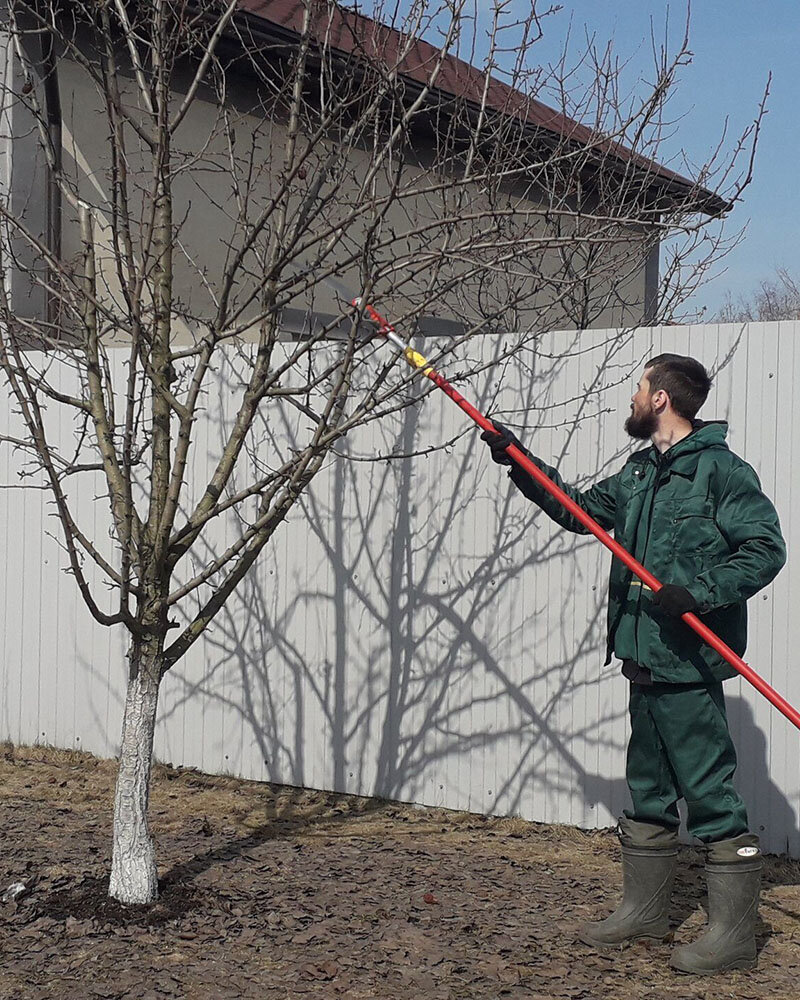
x,y
694,516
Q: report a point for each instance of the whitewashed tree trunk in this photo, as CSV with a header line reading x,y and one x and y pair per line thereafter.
x,y
134,878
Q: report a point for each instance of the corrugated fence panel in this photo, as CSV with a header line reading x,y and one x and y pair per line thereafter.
x,y
416,629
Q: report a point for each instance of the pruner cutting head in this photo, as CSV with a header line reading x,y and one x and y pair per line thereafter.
x,y
346,299
379,326
382,326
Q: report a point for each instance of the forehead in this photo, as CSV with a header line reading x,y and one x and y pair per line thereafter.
x,y
644,378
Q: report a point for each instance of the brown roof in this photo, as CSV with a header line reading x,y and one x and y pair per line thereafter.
x,y
350,32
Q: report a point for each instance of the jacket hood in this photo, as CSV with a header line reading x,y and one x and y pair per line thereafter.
x,y
705,434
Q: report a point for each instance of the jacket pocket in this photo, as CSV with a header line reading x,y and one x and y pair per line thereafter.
x,y
694,528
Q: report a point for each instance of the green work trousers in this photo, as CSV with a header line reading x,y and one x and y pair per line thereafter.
x,y
680,748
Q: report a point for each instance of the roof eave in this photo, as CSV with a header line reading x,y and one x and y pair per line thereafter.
x,y
680,191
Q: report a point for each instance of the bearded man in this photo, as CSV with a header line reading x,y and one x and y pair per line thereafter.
x,y
694,514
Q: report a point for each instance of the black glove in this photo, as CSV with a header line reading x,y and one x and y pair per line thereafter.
x,y
499,442
674,600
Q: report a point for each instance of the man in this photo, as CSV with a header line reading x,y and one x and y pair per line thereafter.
x,y
693,513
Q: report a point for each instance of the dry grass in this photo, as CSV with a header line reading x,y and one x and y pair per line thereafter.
x,y
180,796
67,797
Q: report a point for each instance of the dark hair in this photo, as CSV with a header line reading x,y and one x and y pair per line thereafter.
x,y
684,380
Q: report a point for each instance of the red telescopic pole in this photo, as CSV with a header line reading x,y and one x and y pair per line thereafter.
x,y
418,361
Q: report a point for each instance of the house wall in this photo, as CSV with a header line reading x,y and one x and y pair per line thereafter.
x,y
23,186
416,629
204,202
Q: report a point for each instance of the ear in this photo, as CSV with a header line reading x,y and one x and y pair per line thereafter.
x,y
660,400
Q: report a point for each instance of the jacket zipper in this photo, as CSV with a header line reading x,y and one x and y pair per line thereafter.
x,y
656,486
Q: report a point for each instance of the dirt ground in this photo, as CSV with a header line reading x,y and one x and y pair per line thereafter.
x,y
272,892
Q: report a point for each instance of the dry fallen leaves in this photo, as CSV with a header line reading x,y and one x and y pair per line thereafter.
x,y
311,895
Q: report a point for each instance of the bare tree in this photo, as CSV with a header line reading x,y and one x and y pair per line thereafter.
x,y
775,298
218,189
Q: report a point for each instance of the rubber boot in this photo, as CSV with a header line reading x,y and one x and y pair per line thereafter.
x,y
647,877
729,941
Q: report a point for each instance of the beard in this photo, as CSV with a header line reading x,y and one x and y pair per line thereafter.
x,y
642,425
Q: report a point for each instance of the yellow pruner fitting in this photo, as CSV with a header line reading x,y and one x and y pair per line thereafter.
x,y
417,360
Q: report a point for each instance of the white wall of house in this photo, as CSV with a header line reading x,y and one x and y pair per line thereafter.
x,y
416,629
205,204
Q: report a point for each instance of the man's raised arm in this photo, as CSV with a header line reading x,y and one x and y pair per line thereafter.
x,y
599,501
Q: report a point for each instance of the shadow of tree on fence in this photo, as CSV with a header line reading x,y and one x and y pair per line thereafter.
x,y
419,637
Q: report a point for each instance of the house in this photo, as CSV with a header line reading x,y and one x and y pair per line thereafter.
x,y
484,209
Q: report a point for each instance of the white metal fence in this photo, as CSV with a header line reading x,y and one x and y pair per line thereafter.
x,y
418,630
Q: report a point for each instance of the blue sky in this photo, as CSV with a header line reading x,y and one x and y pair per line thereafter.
x,y
735,45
